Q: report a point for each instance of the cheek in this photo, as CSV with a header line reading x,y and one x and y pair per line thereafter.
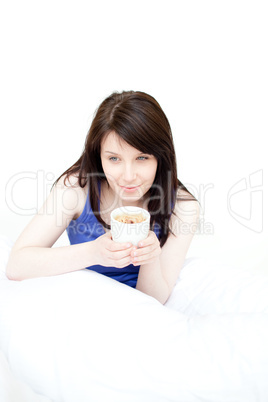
x,y
151,172
110,172
104,167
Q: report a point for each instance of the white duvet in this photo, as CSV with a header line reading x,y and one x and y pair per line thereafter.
x,y
83,337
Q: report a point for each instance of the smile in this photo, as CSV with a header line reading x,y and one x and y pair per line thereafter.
x,y
129,189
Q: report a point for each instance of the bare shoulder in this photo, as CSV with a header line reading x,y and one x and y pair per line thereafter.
x,y
186,204
186,213
71,195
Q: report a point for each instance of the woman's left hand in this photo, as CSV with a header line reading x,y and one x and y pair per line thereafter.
x,y
148,250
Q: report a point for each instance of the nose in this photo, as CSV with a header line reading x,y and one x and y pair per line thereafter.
x,y
129,173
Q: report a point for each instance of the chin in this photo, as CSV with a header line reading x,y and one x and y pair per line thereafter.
x,y
131,198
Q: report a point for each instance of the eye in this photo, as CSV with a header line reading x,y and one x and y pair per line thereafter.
x,y
142,158
113,159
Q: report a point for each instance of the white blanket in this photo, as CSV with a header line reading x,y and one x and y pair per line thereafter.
x,y
14,390
84,337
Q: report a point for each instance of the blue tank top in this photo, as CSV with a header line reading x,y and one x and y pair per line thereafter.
x,y
87,228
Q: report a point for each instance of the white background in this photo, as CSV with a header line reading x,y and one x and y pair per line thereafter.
x,y
204,61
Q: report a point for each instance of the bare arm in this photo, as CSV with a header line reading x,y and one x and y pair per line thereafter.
x,y
32,262
33,256
158,277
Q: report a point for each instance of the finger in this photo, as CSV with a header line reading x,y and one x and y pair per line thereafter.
x,y
118,255
123,262
112,245
143,251
150,239
115,246
139,259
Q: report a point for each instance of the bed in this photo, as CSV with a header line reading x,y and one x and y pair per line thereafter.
x,y
84,337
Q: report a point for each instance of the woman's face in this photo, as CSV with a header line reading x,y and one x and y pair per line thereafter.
x,y
129,172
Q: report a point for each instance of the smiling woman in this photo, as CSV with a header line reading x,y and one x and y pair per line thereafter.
x,y
129,173
128,160
123,121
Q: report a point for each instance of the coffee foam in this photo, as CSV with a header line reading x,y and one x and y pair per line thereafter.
x,y
124,218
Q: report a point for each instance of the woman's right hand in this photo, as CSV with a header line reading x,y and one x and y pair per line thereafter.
x,y
110,253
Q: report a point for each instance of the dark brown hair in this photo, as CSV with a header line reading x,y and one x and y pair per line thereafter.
x,y
139,120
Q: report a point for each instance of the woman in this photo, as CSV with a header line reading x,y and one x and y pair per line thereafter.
x,y
128,159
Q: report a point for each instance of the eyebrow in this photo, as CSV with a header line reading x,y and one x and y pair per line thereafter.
x,y
114,153
110,152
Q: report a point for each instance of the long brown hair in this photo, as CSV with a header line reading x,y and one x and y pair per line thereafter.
x,y
140,121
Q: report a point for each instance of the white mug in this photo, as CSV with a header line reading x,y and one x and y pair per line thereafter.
x,y
130,232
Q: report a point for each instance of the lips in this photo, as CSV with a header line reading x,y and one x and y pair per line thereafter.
x,y
129,188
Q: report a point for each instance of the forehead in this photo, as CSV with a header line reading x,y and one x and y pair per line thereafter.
x,y
112,142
